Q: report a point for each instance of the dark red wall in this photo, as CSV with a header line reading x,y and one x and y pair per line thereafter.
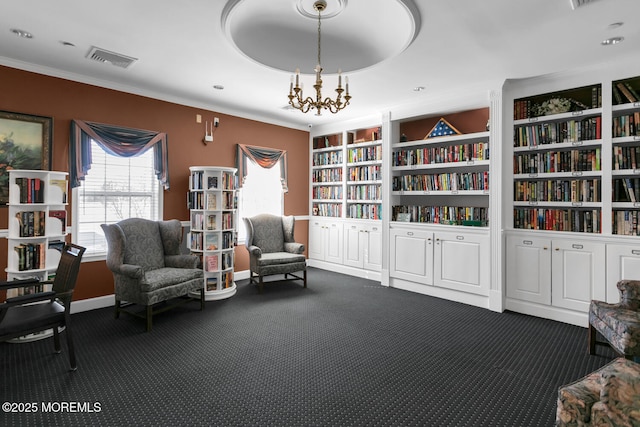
x,y
64,100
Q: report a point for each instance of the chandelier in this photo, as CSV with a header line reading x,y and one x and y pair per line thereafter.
x,y
297,100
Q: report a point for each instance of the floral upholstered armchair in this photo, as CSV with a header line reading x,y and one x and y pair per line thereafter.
x,y
272,249
148,268
618,323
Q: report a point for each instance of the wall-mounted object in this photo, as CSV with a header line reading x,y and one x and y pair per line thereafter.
x,y
208,132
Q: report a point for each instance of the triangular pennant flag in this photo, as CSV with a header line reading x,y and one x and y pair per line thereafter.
x,y
442,128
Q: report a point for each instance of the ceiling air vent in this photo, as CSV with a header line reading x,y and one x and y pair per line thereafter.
x,y
117,59
579,3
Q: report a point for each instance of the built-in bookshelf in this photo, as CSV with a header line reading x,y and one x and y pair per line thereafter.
x,y
212,204
364,174
37,229
327,178
440,175
625,141
557,161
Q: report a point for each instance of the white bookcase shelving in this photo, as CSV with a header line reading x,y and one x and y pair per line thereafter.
x,y
37,229
212,202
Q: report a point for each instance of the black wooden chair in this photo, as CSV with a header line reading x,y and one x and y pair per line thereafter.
x,y
28,314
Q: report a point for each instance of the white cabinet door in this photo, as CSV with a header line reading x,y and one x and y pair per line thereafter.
x,y
529,269
317,236
354,245
411,253
461,262
623,263
577,274
373,248
333,251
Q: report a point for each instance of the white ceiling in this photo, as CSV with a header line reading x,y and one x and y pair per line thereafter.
x,y
183,48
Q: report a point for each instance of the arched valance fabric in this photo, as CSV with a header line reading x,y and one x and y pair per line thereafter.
x,y
118,141
264,157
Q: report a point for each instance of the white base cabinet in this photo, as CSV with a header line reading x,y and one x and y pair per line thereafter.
x,y
325,240
554,277
623,263
444,263
351,247
363,246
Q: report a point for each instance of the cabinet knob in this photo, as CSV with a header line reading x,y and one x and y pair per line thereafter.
x,y
545,248
557,249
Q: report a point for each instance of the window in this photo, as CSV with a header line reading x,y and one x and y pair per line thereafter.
x,y
115,188
261,192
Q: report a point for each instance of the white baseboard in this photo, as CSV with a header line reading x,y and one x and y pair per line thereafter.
x,y
93,303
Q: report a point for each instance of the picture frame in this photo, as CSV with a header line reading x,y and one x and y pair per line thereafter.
x,y
403,217
25,143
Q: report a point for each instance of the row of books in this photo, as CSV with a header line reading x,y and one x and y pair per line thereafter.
x,y
532,135
442,182
31,190
32,256
229,181
364,192
327,192
226,281
586,190
626,190
227,221
32,223
557,161
364,154
448,154
576,220
365,211
624,93
229,200
327,209
203,241
625,222
626,157
327,158
452,215
365,173
201,221
201,181
327,175
626,125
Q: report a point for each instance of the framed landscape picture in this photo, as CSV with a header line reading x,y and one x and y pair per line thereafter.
x,y
25,143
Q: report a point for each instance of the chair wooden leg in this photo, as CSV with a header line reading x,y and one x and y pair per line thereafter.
x,y
72,354
592,339
260,285
202,299
304,274
56,339
149,317
117,309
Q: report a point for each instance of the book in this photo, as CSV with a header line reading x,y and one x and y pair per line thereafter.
x,y
212,283
626,92
62,184
211,262
632,90
212,202
62,216
211,242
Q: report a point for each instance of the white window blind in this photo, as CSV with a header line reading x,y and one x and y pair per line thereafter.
x,y
115,188
261,192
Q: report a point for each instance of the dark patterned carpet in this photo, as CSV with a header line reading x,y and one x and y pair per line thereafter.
x,y
344,352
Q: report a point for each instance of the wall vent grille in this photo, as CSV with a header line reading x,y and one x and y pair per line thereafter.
x,y
579,3
105,56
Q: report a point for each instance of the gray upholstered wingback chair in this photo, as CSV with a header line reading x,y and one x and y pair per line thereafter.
x,y
272,249
148,268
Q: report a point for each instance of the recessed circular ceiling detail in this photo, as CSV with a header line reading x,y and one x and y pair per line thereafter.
x,y
356,34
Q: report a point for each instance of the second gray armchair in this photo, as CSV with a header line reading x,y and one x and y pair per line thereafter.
x,y
272,249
